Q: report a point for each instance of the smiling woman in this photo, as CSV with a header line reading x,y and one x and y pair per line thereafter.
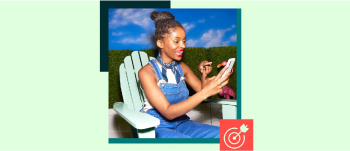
x,y
164,83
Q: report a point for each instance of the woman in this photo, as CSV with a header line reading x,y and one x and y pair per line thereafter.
x,y
163,81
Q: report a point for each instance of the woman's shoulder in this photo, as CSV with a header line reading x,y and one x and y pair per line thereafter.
x,y
184,67
147,72
182,64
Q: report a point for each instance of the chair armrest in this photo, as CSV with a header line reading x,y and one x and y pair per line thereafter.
x,y
223,101
136,119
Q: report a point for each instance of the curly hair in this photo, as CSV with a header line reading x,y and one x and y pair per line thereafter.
x,y
163,21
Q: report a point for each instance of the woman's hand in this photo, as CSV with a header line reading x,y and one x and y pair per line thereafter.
x,y
204,68
214,84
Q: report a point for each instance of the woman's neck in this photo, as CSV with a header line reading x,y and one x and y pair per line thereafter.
x,y
165,58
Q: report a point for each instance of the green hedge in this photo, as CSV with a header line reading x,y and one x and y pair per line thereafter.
x,y
192,57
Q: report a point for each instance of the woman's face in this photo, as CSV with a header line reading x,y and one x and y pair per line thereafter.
x,y
173,45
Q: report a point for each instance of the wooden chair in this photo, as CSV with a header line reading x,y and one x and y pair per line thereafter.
x,y
143,125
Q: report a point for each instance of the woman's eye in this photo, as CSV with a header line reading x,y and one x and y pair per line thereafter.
x,y
178,41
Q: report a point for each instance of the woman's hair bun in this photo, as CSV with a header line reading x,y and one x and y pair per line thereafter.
x,y
154,15
158,16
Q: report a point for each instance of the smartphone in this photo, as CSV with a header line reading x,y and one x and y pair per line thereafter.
x,y
229,64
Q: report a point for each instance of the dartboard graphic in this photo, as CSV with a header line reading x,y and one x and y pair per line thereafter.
x,y
236,134
234,138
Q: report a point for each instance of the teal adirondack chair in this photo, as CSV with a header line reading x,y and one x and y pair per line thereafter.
x,y
143,125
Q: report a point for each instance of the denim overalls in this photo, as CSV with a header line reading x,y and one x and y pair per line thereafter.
x,y
182,126
174,93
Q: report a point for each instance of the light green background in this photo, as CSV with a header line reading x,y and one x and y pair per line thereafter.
x,y
295,76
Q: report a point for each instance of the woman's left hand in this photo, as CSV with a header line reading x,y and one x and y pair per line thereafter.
x,y
204,68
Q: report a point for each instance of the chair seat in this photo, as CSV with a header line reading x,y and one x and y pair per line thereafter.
x,y
136,119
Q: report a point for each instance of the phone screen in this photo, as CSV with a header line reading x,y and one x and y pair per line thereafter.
x,y
230,63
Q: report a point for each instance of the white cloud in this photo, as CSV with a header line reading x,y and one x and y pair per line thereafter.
x,y
201,21
212,16
207,36
213,38
141,40
221,33
138,17
234,38
187,26
225,43
191,43
214,42
210,38
233,26
119,33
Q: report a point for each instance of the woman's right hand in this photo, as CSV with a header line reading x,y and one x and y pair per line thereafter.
x,y
214,84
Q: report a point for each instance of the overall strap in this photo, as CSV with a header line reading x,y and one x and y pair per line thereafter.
x,y
156,69
178,67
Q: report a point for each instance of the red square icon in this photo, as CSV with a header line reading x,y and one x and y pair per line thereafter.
x,y
236,134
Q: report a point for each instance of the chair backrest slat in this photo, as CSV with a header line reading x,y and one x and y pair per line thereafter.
x,y
144,58
137,64
134,89
150,58
124,85
144,61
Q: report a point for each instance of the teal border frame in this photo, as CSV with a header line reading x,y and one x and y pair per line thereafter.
x,y
104,6
239,65
164,140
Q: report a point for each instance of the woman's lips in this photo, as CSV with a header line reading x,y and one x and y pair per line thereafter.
x,y
179,53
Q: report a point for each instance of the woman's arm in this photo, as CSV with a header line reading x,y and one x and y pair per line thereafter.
x,y
158,100
192,80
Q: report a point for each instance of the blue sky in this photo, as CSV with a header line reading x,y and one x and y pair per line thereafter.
x,y
133,28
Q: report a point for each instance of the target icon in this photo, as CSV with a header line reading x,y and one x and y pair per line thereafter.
x,y
234,138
